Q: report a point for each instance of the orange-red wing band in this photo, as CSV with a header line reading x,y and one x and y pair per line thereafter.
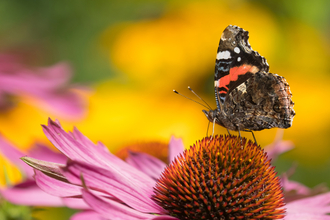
x,y
234,73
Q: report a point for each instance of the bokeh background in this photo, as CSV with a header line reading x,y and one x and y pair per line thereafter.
x,y
128,56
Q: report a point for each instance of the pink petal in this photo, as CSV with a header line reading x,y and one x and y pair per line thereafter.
x,y
52,169
36,82
75,203
289,185
42,152
67,104
278,146
87,215
68,145
87,142
176,147
110,209
14,155
146,163
163,217
315,207
306,216
121,185
43,86
28,193
91,154
56,187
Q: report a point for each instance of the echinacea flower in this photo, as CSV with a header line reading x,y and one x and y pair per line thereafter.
x,y
217,178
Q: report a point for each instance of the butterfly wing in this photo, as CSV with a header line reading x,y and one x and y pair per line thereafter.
x,y
262,102
236,62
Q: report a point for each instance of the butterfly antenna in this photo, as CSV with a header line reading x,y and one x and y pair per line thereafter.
x,y
192,99
191,90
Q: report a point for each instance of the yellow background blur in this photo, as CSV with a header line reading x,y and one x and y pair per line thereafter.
x,y
134,53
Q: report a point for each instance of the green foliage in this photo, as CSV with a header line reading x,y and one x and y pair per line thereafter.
x,y
10,211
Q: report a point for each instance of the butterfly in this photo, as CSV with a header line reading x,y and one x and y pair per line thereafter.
x,y
248,96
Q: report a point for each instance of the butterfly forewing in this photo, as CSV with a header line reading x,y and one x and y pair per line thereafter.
x,y
236,62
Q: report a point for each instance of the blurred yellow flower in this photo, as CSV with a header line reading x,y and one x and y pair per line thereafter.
x,y
120,115
21,124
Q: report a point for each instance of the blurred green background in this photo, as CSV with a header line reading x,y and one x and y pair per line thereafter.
x,y
132,53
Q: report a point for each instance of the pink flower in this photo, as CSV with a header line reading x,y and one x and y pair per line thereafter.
x,y
45,87
109,188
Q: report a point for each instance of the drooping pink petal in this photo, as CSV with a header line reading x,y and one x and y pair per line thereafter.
x,y
122,186
28,193
56,187
110,209
51,169
315,207
176,147
146,163
87,215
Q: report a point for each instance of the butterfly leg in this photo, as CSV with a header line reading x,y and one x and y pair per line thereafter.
x,y
213,127
228,132
207,130
255,140
240,137
212,130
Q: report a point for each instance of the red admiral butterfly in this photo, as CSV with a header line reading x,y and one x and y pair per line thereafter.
x,y
248,97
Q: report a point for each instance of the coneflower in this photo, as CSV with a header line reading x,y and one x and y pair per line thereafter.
x,y
217,178
220,178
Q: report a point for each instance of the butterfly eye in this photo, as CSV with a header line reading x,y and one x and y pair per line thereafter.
x,y
277,108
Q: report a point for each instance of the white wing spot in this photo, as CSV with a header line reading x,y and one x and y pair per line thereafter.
x,y
223,55
242,88
237,50
238,59
254,69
